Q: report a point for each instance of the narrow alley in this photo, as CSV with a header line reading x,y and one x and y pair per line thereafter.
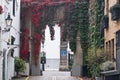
x,y
59,39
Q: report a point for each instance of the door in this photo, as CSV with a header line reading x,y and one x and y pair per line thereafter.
x,y
118,50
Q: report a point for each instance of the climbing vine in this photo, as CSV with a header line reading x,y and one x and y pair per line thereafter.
x,y
24,37
42,13
96,38
77,20
96,12
84,27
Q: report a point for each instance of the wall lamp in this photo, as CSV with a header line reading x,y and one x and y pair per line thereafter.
x,y
8,21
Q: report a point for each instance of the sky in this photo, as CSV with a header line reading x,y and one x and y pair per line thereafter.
x,y
52,47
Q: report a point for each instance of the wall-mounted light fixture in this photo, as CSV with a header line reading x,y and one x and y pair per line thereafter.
x,y
8,21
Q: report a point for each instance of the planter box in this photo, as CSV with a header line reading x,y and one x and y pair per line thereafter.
x,y
110,75
26,72
115,12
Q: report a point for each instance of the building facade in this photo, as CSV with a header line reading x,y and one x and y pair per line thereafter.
x,y
112,30
9,37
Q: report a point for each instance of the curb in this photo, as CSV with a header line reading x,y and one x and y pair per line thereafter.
x,y
27,78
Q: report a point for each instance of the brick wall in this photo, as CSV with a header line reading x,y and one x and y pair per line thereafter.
x,y
114,26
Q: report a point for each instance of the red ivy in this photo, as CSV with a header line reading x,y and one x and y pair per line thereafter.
x,y
37,42
36,19
25,45
36,8
36,14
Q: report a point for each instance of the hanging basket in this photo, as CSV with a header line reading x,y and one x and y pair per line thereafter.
x,y
115,12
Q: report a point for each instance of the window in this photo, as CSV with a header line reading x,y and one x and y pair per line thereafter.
x,y
118,39
107,49
119,1
112,49
12,40
13,7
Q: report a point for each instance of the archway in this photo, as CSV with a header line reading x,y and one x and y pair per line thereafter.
x,y
36,15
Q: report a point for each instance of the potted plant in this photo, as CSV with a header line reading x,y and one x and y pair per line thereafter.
x,y
94,58
108,71
106,66
115,11
19,66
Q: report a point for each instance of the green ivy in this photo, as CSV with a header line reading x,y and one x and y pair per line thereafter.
x,y
84,27
78,19
94,57
97,40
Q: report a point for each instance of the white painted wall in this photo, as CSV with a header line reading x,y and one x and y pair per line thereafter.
x,y
14,31
1,57
0,47
10,68
52,64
